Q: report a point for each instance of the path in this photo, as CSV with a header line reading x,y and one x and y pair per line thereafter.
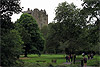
x,y
79,64
67,63
24,58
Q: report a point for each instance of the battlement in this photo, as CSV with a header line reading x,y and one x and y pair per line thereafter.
x,y
40,16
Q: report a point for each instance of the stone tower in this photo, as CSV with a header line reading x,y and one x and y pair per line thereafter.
x,y
40,16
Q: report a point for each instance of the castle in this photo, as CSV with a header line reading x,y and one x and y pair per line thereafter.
x,y
39,15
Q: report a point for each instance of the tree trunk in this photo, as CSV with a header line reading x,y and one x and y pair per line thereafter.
x,y
25,55
55,52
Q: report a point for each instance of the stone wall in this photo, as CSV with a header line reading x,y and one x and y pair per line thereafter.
x,y
40,16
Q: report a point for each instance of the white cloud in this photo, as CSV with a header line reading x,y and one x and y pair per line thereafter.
x,y
48,5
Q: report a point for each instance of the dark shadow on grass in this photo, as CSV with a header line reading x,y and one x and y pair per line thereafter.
x,y
55,58
47,57
34,57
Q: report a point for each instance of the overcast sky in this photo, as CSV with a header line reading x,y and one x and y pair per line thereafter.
x,y
48,5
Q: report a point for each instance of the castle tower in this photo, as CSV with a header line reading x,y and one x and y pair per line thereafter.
x,y
40,16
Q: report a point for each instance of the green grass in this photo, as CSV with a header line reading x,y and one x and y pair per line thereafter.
x,y
94,62
32,58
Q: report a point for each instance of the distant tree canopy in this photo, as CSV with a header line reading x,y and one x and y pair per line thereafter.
x,y
30,33
71,31
67,29
44,31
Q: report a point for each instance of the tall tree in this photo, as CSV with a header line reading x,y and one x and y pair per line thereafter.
x,y
91,9
33,40
71,24
7,8
10,39
53,38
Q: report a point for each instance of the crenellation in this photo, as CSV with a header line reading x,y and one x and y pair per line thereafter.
x,y
40,16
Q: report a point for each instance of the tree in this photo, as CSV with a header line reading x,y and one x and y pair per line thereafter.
x,y
10,39
11,48
44,31
71,25
30,33
91,9
7,8
53,37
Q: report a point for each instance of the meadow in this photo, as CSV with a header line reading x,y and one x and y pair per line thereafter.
x,y
45,60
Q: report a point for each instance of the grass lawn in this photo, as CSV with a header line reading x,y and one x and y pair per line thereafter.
x,y
33,58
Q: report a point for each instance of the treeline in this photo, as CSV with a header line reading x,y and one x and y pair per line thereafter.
x,y
74,30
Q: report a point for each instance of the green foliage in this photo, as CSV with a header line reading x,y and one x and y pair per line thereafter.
x,y
10,39
44,31
11,48
91,9
72,31
68,28
53,38
7,8
30,33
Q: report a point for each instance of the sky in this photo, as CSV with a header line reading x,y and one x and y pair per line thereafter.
x,y
48,5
